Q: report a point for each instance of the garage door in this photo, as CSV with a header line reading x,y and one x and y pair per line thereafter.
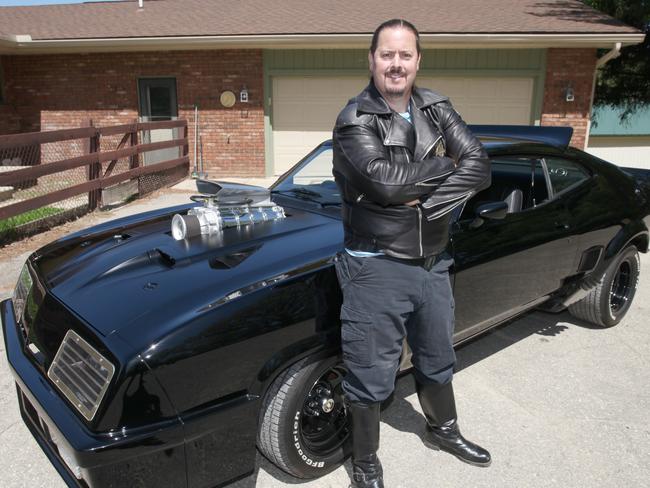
x,y
633,151
304,109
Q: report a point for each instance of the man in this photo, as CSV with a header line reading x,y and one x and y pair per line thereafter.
x,y
403,160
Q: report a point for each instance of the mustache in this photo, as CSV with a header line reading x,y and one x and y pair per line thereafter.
x,y
395,71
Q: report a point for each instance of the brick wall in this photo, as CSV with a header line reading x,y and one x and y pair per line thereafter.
x,y
9,119
563,67
48,92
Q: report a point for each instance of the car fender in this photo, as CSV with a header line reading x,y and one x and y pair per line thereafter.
x,y
313,347
634,232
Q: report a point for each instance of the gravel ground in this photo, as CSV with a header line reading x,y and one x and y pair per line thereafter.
x,y
558,402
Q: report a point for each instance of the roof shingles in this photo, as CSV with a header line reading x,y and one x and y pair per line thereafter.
x,y
172,18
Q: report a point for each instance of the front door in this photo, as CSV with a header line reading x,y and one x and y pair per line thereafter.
x,y
157,100
505,265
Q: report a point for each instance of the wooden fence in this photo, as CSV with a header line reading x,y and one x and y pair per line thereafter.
x,y
97,176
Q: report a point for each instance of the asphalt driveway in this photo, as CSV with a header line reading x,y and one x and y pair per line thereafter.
x,y
558,402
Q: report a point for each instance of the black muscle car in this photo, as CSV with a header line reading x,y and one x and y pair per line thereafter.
x,y
161,349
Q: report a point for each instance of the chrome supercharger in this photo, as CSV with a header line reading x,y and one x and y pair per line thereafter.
x,y
225,205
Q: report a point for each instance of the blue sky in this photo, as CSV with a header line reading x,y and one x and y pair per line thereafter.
x,y
18,3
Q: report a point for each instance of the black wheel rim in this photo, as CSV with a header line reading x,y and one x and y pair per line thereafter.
x,y
622,289
323,424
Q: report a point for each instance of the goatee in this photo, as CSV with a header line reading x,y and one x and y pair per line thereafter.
x,y
395,93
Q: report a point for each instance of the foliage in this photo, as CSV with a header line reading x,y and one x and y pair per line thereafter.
x,y
623,81
26,217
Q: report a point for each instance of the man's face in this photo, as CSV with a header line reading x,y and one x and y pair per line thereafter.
x,y
394,63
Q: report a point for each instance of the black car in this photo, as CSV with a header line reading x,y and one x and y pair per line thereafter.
x,y
161,349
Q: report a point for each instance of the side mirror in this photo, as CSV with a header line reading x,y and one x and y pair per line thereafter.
x,y
489,211
493,210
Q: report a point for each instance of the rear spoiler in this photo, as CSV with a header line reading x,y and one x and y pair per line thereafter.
x,y
640,173
555,136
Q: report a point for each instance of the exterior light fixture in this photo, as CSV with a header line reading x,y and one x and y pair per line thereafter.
x,y
243,94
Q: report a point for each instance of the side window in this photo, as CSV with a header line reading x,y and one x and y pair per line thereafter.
x,y
519,182
564,173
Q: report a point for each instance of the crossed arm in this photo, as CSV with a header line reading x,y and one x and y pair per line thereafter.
x,y
439,183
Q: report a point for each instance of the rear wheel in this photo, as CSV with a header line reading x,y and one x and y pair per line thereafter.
x,y
303,423
610,300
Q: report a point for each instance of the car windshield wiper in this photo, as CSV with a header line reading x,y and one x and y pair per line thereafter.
x,y
300,193
307,194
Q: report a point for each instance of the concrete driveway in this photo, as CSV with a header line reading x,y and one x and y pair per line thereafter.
x,y
558,402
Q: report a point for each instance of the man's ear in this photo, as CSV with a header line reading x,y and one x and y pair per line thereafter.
x,y
418,66
371,62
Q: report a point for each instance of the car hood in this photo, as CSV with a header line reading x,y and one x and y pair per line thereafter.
x,y
136,275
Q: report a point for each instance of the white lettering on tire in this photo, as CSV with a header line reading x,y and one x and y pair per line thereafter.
x,y
308,461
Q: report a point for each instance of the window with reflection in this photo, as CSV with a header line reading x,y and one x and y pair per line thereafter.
x,y
519,182
564,173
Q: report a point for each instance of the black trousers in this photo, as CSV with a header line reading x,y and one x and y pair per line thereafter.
x,y
384,301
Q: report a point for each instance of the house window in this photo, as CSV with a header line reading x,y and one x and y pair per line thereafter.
x,y
157,98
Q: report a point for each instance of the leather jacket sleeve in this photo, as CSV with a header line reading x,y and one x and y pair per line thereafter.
x,y
472,173
360,155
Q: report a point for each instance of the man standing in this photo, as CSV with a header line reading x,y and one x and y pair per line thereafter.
x,y
403,160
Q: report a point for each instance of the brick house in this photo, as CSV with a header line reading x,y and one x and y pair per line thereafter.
x,y
268,78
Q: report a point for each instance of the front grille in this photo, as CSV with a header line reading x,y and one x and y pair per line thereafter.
x,y
81,373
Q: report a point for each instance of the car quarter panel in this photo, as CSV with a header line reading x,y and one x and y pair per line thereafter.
x,y
607,211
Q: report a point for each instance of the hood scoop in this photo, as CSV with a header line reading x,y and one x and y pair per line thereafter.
x,y
233,259
144,260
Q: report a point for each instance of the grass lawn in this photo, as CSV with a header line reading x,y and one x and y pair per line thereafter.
x,y
7,225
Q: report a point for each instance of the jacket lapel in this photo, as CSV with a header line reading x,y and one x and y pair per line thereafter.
x,y
426,134
420,136
400,133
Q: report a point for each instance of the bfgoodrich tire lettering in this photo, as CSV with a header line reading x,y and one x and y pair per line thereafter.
x,y
610,300
303,427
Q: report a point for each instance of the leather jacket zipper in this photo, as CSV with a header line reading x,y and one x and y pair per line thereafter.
x,y
431,146
419,211
420,229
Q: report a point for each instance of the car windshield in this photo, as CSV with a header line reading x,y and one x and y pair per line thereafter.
x,y
311,178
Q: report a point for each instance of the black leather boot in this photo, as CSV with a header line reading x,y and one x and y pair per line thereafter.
x,y
442,432
366,468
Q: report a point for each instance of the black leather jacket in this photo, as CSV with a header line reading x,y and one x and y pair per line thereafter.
x,y
381,161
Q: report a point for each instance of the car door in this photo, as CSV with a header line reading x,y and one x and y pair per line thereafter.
x,y
503,266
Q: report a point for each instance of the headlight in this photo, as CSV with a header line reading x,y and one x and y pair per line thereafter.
x,y
23,287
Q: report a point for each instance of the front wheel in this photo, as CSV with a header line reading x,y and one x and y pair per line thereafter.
x,y
303,423
610,300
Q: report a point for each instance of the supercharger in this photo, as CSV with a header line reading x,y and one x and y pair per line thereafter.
x,y
225,205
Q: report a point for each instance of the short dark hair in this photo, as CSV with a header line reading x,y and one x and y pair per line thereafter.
x,y
393,24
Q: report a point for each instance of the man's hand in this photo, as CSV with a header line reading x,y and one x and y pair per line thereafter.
x,y
413,203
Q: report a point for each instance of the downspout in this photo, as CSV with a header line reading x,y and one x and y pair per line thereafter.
x,y
613,53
